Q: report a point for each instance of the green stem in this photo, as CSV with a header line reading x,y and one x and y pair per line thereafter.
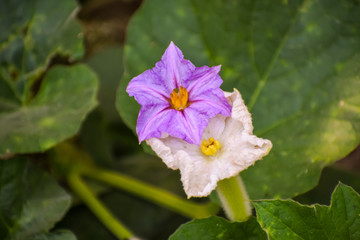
x,y
153,194
97,207
234,198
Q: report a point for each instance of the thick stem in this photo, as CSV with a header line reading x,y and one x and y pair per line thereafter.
x,y
234,198
153,194
86,195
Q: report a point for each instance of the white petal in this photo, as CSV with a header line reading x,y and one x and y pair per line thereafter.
x,y
171,149
243,149
214,128
195,167
239,110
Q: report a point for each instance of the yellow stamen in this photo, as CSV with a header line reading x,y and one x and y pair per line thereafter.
x,y
210,147
179,98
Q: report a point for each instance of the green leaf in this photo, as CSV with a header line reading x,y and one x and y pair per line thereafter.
x,y
219,228
66,95
295,63
33,32
30,201
290,220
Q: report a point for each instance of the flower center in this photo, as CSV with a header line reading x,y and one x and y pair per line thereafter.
x,y
179,98
210,147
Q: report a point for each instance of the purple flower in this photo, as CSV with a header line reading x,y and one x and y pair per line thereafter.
x,y
177,98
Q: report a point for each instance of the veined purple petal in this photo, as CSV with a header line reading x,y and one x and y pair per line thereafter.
x,y
185,127
212,101
203,79
148,89
196,121
198,115
173,68
153,120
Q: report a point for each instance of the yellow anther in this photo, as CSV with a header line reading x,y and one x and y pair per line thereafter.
x,y
210,147
179,98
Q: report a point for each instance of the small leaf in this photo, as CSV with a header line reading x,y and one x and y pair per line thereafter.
x,y
219,228
291,220
66,95
31,202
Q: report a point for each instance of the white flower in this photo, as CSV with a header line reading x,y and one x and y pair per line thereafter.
x,y
228,147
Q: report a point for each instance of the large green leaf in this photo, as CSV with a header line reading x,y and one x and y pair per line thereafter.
x,y
31,33
66,95
219,228
30,202
296,64
290,220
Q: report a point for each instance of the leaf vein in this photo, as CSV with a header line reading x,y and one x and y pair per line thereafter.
x,y
274,58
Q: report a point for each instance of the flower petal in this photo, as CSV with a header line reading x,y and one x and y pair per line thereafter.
x,y
197,175
157,119
240,147
214,128
253,149
203,79
189,125
197,117
155,85
148,89
169,149
195,167
239,110
152,120
173,68
213,102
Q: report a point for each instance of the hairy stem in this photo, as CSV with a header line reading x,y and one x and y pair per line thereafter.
x,y
234,199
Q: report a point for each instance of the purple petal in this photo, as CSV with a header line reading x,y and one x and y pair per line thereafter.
x,y
186,127
148,89
173,69
198,115
197,120
155,120
203,79
151,121
213,102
